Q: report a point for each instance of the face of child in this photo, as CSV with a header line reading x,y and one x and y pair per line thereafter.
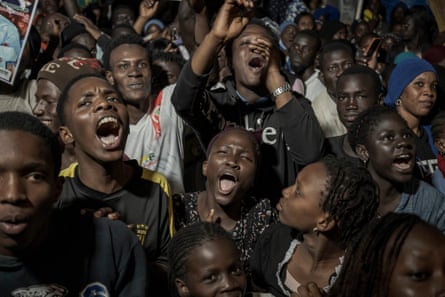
x,y
305,23
420,95
96,120
230,167
28,188
249,68
47,96
334,63
214,269
300,205
288,35
391,150
131,72
420,266
355,93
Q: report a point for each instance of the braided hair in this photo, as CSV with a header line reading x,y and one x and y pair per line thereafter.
x,y
351,197
184,242
364,124
370,260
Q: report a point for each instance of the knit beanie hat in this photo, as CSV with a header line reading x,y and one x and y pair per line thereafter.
x,y
63,70
402,75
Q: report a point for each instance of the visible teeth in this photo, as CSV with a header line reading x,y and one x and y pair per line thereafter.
x,y
107,120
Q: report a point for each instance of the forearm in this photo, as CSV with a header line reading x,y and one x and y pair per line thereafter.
x,y
205,55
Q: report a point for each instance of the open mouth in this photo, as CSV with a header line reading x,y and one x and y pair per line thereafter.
x,y
227,182
108,132
403,162
257,63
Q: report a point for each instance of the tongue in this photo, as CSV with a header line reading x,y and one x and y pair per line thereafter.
x,y
402,166
109,139
226,185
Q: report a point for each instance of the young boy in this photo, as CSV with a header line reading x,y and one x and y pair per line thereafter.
x,y
94,119
50,252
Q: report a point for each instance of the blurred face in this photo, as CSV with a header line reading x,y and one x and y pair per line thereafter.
x,y
230,168
305,23
391,150
96,120
47,96
300,205
86,40
288,35
420,266
302,53
170,69
409,28
213,269
355,94
419,96
340,34
131,72
122,15
249,68
332,66
28,188
361,30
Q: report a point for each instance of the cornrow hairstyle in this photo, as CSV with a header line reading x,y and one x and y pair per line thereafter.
x,y
370,259
376,83
123,39
351,197
13,120
336,45
364,124
438,125
184,242
63,99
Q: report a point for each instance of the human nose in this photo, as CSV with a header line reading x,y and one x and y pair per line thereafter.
x,y
232,161
12,189
39,108
103,104
228,282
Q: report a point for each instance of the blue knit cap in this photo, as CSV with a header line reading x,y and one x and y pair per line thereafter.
x,y
404,72
156,22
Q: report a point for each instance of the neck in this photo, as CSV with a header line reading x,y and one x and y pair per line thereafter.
x,y
389,195
135,113
226,216
107,177
322,250
251,95
308,72
348,149
412,121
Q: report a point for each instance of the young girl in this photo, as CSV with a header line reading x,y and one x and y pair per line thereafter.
x,y
233,157
438,133
385,144
204,262
397,255
321,213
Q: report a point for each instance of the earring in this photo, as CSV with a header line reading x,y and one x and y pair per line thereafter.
x,y
398,102
316,231
365,162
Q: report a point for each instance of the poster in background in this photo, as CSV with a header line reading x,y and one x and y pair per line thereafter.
x,y
15,23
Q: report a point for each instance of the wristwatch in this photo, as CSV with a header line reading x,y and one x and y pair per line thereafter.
x,y
280,90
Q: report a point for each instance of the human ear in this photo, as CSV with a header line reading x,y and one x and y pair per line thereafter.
x,y
325,223
182,289
362,152
109,77
204,168
65,135
321,77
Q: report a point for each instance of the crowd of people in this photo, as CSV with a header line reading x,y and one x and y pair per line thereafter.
x,y
203,148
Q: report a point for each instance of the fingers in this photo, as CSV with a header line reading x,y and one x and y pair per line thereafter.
x,y
310,290
103,212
